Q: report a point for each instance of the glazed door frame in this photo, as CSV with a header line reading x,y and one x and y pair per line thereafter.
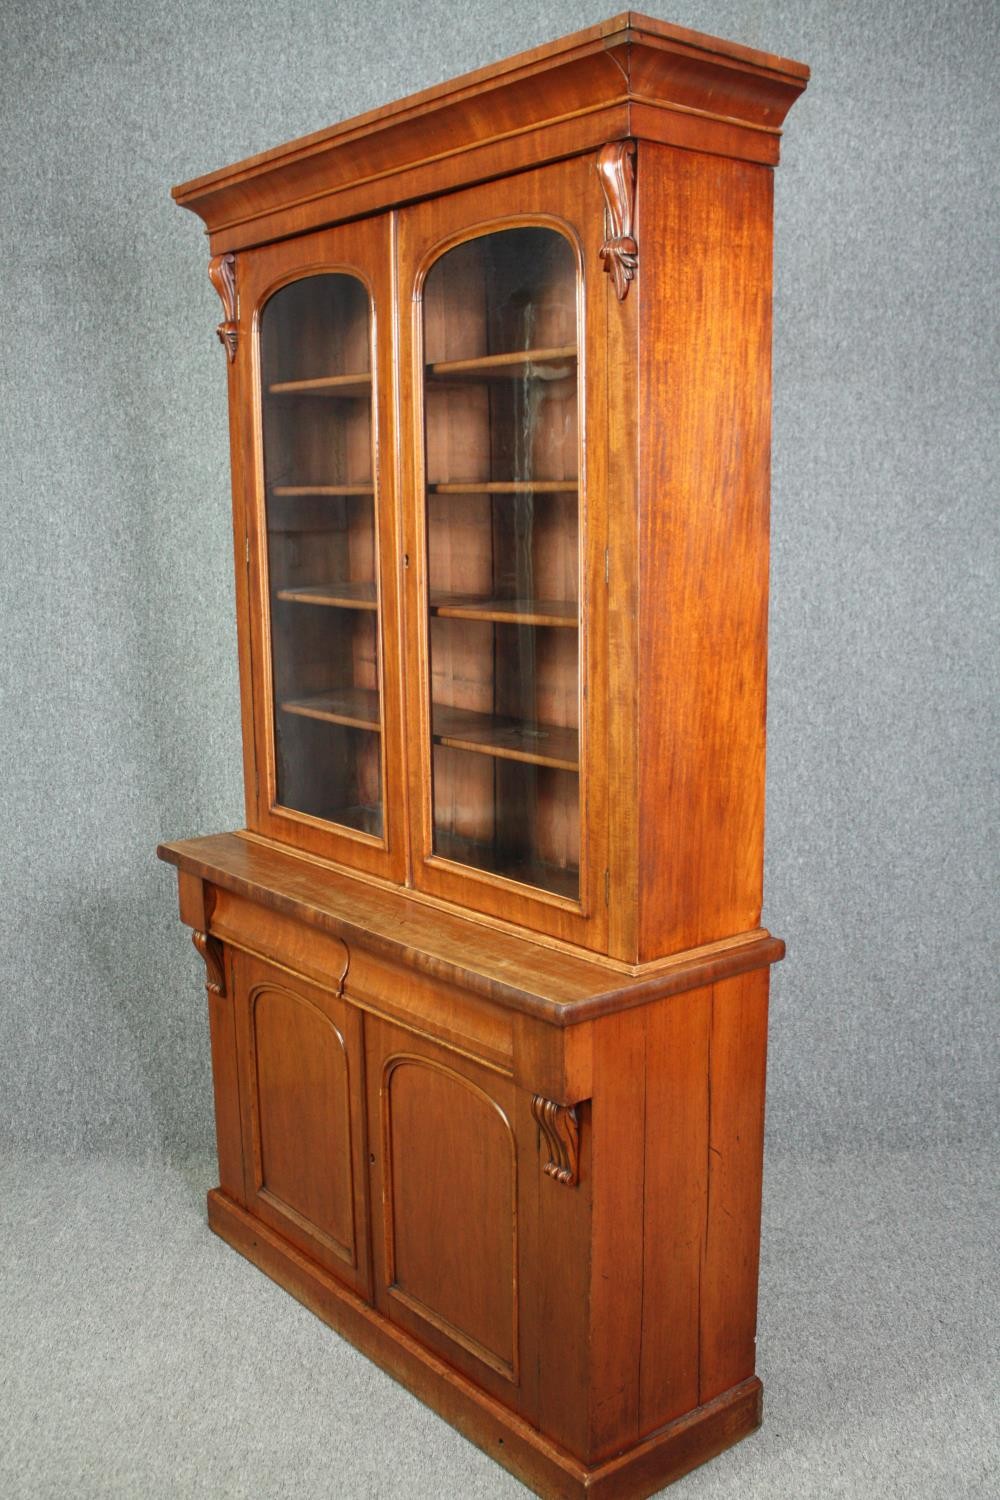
x,y
361,250
567,198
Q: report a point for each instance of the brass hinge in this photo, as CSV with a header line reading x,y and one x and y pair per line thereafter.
x,y
607,565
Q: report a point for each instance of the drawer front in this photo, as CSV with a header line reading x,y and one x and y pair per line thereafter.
x,y
467,1023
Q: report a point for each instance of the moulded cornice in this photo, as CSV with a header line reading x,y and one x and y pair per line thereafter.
x,y
630,76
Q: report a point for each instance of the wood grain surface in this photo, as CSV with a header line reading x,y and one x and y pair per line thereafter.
x,y
487,987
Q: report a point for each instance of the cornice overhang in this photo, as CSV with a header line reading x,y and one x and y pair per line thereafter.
x,y
627,77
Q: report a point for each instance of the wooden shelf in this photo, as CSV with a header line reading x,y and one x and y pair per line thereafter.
x,y
560,881
505,738
506,487
286,490
348,387
557,612
533,363
335,595
358,708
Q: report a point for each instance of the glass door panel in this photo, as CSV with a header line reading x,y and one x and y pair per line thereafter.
x,y
503,566
316,365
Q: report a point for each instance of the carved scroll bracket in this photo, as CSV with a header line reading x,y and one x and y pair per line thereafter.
x,y
211,951
620,252
561,1129
222,270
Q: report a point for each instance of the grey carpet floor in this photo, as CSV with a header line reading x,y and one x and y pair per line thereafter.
x,y
139,1356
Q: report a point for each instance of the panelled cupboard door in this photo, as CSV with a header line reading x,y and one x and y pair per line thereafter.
x,y
319,506
301,1059
454,1203
503,308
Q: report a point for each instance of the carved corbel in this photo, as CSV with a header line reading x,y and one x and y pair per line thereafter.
x,y
211,951
222,270
561,1129
620,253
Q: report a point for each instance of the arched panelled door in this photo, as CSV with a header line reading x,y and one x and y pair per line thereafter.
x,y
325,661
506,722
319,485
501,515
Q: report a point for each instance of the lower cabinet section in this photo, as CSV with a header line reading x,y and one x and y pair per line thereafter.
x,y
572,1280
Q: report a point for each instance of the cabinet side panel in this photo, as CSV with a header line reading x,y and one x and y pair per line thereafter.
x,y
736,1149
676,1191
704,398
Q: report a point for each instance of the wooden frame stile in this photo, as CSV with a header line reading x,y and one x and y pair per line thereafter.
x,y
564,197
196,904
363,252
226,274
621,449
393,391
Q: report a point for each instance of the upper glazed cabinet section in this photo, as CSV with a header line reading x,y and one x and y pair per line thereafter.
x,y
470,354
499,533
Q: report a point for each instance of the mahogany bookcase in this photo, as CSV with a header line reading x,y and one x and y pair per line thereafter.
x,y
487,984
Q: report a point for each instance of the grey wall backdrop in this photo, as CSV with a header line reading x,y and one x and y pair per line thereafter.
x,y
120,715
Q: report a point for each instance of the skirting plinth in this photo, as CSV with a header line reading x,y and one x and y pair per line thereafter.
x,y
550,1471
